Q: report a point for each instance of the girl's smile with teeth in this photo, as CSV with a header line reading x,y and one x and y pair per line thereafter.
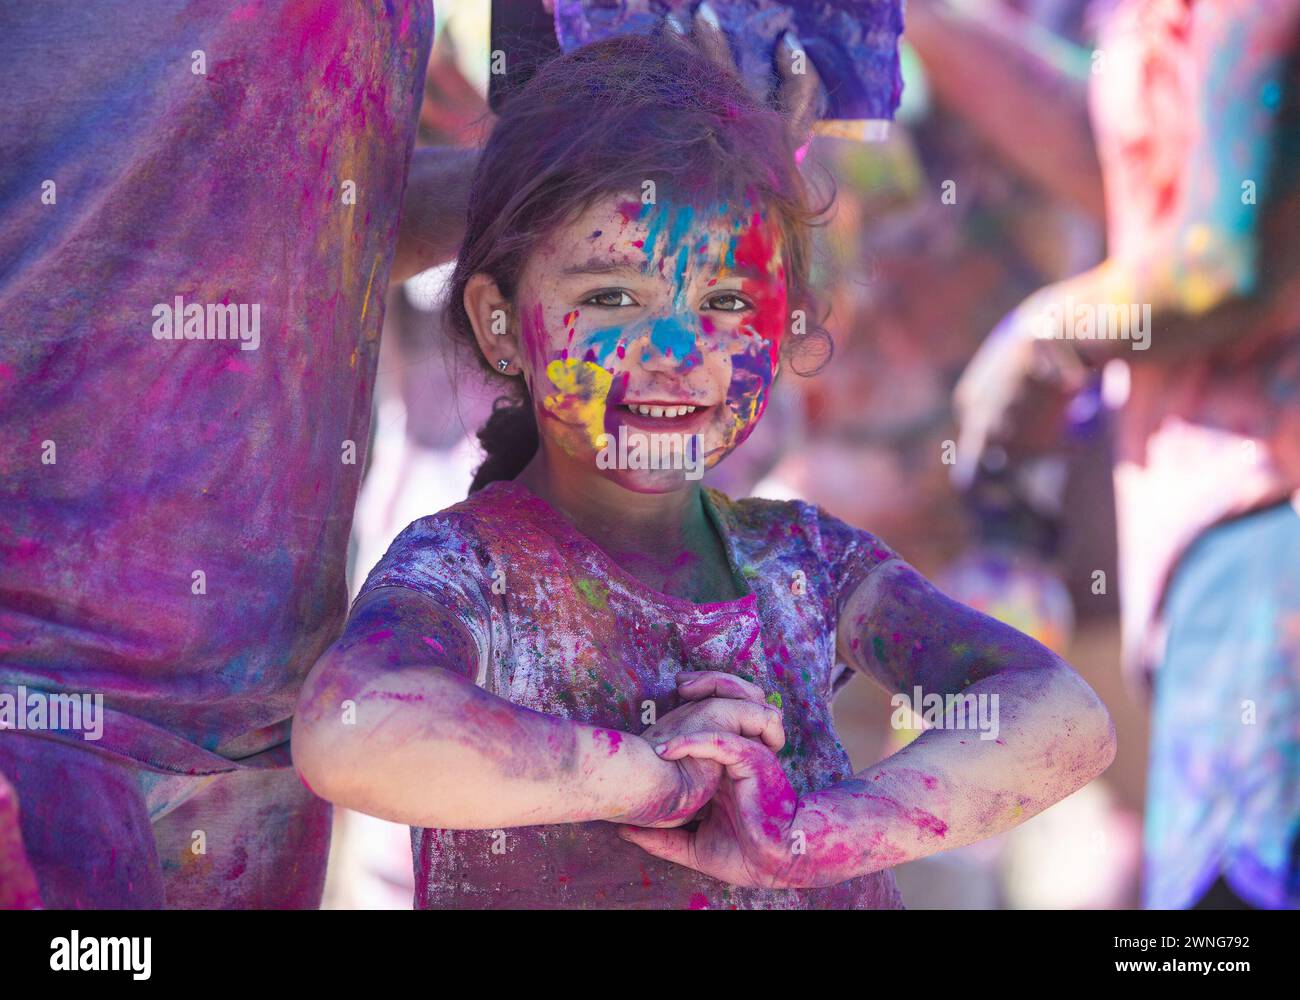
x,y
658,410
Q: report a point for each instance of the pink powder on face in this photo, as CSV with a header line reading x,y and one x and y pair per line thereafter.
x,y
612,736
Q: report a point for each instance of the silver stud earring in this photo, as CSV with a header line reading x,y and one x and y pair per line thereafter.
x,y
502,365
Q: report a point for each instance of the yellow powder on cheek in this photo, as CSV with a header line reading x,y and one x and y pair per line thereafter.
x,y
582,388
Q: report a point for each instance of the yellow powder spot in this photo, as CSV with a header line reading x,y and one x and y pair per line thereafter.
x,y
595,593
582,387
1201,291
365,303
1198,239
352,361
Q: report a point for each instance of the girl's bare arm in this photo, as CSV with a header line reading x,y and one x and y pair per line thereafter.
x,y
391,723
1042,733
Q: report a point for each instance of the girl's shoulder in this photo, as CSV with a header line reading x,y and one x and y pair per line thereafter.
x,y
797,524
795,534
461,546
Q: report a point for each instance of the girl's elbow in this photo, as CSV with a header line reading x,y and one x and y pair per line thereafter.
x,y
317,767
1102,743
325,743
1093,727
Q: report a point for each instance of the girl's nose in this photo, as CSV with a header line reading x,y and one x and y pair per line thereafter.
x,y
669,343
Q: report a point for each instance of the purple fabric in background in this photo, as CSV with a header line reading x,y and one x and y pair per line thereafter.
x,y
207,151
852,43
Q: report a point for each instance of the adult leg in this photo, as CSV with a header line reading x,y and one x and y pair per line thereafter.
x,y
84,823
249,839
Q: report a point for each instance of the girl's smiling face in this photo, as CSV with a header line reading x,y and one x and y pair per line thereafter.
x,y
651,320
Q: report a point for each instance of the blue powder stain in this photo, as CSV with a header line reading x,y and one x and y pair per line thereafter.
x,y
604,341
654,227
683,218
673,338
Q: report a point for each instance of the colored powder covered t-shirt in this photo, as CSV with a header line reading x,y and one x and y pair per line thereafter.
x,y
573,635
177,477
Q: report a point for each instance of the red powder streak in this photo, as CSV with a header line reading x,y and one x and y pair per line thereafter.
x,y
756,249
614,737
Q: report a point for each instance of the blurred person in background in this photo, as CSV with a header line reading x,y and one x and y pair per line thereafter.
x,y
1194,106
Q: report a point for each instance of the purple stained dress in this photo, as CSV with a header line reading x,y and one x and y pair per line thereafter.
x,y
573,635
174,513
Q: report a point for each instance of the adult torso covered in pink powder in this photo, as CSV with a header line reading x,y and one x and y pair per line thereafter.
x,y
562,629
175,504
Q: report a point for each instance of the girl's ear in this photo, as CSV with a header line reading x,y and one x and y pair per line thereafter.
x,y
492,317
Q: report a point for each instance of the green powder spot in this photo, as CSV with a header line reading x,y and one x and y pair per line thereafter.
x,y
749,572
746,677
878,647
774,699
595,593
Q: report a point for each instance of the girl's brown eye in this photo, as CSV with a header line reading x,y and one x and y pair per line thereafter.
x,y
726,302
613,299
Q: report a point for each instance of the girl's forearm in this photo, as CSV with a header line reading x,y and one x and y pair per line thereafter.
x,y
424,747
950,788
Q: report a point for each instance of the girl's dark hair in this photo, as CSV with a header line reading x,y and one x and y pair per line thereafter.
x,y
601,121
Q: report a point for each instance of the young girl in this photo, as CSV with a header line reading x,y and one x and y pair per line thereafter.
x,y
595,683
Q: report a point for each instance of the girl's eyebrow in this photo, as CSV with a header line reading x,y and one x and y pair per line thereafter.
x,y
605,266
597,265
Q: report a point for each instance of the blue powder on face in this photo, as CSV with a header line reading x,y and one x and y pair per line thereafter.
x,y
672,337
604,341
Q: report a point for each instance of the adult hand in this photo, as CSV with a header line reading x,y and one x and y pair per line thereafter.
x,y
1013,391
799,89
